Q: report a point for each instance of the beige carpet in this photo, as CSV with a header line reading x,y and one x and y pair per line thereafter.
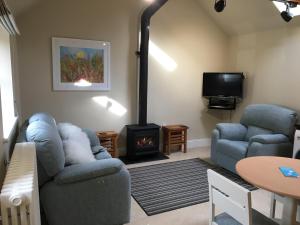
x,y
193,215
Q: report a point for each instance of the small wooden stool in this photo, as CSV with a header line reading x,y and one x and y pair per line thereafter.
x,y
175,135
108,139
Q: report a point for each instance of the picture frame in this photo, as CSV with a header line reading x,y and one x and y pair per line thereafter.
x,y
80,65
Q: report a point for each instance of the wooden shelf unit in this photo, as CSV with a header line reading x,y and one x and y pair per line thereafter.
x,y
174,135
108,139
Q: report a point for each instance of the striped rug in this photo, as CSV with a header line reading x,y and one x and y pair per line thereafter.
x,y
169,186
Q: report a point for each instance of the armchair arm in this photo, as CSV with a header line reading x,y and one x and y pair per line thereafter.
x,y
232,131
269,139
82,172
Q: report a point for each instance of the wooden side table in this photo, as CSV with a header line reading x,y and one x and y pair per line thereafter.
x,y
108,139
174,135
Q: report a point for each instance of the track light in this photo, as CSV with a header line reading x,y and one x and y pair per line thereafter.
x,y
287,15
220,5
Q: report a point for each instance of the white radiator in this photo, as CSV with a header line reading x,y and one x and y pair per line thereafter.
x,y
20,194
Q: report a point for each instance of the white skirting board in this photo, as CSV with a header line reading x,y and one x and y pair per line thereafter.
x,y
198,143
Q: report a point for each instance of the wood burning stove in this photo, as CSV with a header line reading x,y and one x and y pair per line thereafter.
x,y
143,139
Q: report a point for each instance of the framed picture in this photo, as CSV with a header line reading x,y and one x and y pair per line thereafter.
x,y
80,65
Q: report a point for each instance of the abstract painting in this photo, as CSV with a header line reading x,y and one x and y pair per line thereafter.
x,y
80,64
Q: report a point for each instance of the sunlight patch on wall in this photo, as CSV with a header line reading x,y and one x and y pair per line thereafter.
x,y
161,57
111,105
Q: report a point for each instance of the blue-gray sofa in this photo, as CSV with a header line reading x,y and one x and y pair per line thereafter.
x,y
264,130
95,193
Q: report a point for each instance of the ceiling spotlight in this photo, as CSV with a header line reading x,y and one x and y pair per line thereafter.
x,y
287,15
220,5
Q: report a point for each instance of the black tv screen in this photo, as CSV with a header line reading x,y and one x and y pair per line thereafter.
x,y
223,84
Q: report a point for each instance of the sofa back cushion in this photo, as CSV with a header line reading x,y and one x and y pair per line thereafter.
x,y
92,136
42,116
49,147
252,131
270,117
76,144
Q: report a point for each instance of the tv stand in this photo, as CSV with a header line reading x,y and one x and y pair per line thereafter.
x,y
222,103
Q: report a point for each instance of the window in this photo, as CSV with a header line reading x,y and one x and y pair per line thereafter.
x,y
6,84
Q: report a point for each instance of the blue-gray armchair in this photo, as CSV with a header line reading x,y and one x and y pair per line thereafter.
x,y
94,193
264,130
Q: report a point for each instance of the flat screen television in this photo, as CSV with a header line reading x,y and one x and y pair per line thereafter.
x,y
223,85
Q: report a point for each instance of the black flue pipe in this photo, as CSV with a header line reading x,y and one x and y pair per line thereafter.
x,y
144,51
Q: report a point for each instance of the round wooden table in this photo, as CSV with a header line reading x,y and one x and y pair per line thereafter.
x,y
264,172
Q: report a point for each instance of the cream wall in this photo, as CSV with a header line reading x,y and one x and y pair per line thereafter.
x,y
114,21
181,29
271,62
188,35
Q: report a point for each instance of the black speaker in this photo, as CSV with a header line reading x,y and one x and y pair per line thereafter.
x,y
220,5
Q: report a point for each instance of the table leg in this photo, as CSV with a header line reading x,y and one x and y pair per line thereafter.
x,y
185,141
289,211
169,141
273,206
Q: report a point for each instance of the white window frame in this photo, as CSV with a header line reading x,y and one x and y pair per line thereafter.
x,y
8,117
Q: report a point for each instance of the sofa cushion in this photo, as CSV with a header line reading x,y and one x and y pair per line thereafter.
x,y
98,148
103,155
271,117
76,153
232,131
234,149
76,144
49,146
253,131
43,117
92,136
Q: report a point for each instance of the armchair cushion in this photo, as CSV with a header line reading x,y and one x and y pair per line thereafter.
x,y
272,117
253,131
270,139
87,171
232,131
233,149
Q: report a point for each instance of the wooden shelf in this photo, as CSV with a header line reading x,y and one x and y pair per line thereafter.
x,y
175,135
108,139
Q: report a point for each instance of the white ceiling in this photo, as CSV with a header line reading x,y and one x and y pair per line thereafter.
x,y
239,16
247,16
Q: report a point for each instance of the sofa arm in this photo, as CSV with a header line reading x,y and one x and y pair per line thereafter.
x,y
82,172
232,131
269,139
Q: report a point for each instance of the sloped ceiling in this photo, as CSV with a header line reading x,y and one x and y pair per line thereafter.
x,y
20,6
247,16
239,17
